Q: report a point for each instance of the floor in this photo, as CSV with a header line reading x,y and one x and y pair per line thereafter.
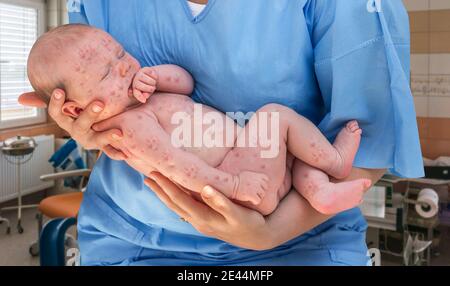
x,y
14,247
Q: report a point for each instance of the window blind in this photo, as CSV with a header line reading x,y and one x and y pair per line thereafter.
x,y
18,32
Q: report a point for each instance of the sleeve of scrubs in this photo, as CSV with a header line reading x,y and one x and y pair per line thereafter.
x,y
362,50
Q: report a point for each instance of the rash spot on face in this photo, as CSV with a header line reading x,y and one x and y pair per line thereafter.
x,y
130,133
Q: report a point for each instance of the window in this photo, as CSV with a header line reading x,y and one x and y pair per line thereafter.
x,y
21,22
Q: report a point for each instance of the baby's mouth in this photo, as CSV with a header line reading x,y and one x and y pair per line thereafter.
x,y
130,91
130,88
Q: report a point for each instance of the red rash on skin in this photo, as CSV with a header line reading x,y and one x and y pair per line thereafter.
x,y
94,68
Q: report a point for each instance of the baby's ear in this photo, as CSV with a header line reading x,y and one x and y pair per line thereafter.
x,y
72,109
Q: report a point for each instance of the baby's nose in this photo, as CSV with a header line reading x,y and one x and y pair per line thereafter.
x,y
124,68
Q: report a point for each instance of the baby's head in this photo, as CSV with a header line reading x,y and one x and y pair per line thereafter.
x,y
88,64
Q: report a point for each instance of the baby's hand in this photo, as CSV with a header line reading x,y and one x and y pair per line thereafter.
x,y
144,84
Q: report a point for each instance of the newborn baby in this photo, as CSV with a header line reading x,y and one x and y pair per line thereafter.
x,y
90,65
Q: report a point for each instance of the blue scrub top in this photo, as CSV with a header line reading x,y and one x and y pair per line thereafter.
x,y
330,60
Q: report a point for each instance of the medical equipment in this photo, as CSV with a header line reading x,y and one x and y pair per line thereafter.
x,y
18,151
406,212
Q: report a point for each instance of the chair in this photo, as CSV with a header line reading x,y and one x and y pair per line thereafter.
x,y
59,206
52,241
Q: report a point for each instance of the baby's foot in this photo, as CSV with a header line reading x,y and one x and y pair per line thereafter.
x,y
334,198
346,143
251,187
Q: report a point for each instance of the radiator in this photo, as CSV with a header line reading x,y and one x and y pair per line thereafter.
x,y
30,171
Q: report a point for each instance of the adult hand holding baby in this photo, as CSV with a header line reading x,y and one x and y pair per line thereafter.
x,y
80,128
217,217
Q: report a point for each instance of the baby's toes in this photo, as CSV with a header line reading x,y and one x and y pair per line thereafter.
x,y
353,127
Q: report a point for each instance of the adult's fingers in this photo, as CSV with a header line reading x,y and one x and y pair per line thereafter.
x,y
32,99
165,198
104,138
87,118
221,204
195,209
113,153
55,110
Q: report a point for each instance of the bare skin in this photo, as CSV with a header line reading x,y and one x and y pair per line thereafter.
x,y
218,216
243,174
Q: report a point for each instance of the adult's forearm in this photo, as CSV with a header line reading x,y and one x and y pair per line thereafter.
x,y
295,216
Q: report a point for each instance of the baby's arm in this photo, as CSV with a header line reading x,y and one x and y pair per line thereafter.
x,y
164,78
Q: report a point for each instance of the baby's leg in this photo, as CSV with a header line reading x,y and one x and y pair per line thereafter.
x,y
323,195
307,143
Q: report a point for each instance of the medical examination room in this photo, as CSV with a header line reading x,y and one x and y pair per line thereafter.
x,y
327,124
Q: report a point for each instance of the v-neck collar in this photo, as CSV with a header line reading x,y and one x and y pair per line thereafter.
x,y
196,19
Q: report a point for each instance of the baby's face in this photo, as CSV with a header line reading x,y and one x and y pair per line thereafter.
x,y
99,69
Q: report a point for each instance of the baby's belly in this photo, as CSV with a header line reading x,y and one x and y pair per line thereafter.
x,y
189,125
171,108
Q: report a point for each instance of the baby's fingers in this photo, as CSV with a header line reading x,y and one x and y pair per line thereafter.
x,y
150,72
147,79
138,95
144,87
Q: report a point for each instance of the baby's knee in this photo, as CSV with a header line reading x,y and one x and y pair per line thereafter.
x,y
283,113
274,107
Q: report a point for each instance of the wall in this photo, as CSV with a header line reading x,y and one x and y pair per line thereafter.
x,y
430,72
56,14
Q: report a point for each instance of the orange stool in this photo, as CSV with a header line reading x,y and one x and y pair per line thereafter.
x,y
63,206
